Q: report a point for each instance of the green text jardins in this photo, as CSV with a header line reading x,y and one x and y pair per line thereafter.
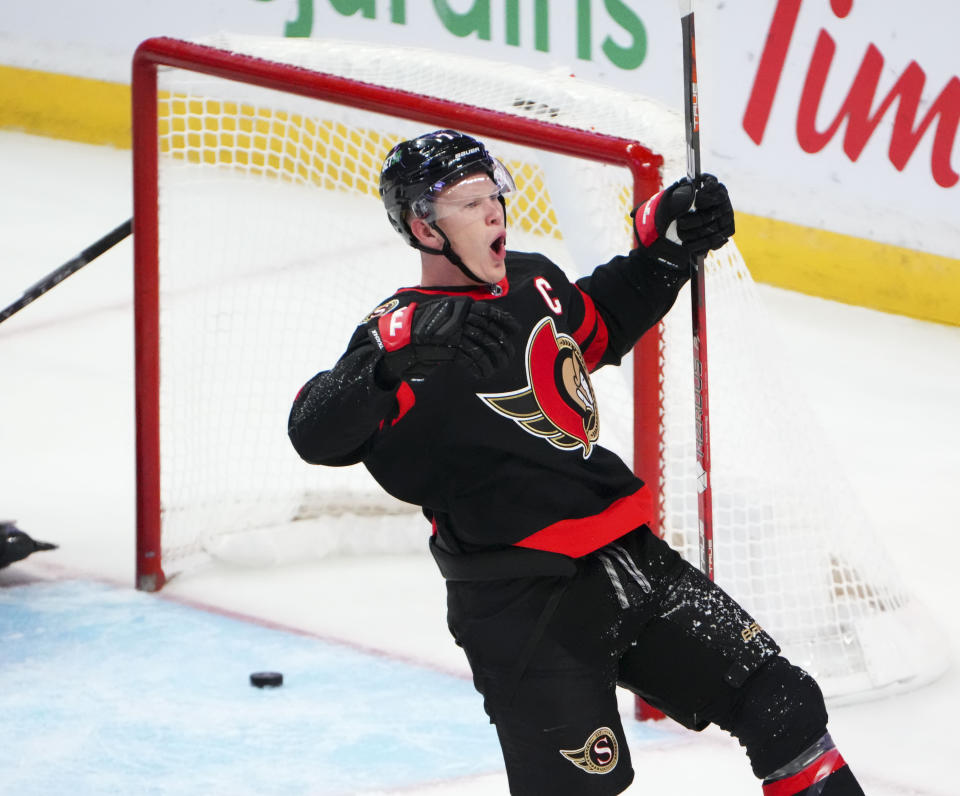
x,y
628,52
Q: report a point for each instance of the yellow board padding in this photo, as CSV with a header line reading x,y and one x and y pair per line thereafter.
x,y
65,106
812,261
850,269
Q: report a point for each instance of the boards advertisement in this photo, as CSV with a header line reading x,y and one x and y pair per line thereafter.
x,y
833,122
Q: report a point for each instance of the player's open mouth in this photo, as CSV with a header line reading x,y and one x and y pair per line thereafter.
x,y
499,245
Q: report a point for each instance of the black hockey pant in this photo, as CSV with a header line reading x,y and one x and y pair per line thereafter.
x,y
547,653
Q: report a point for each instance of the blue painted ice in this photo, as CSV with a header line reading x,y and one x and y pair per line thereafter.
x,y
108,690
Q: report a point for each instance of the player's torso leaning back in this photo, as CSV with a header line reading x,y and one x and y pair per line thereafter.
x,y
512,458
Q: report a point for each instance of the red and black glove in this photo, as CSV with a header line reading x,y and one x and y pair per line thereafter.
x,y
684,221
417,338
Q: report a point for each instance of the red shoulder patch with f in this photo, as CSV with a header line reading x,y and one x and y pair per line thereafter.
x,y
395,327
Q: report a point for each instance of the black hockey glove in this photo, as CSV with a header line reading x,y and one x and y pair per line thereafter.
x,y
418,337
682,222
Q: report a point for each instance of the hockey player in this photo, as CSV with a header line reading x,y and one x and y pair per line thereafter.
x,y
470,396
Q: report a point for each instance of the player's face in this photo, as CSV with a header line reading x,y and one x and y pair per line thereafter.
x,y
472,217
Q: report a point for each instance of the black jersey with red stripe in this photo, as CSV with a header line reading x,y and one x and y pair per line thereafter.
x,y
510,459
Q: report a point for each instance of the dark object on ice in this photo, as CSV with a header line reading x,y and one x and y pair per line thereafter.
x,y
266,679
15,545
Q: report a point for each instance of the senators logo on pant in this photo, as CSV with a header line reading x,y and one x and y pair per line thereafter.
x,y
558,402
598,755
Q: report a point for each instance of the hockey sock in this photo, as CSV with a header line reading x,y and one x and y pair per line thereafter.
x,y
820,770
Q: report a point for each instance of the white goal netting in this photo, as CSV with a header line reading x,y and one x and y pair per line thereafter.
x,y
273,245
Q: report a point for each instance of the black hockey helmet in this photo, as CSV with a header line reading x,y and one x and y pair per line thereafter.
x,y
415,171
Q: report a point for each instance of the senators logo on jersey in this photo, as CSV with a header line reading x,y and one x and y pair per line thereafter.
x,y
383,309
598,755
558,402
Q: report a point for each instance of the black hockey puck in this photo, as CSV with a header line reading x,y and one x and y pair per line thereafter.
x,y
266,679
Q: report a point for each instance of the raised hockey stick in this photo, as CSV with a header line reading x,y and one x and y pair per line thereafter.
x,y
642,710
55,277
698,303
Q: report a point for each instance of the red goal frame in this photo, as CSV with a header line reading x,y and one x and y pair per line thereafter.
x,y
644,165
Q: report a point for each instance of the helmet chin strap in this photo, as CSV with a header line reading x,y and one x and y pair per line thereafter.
x,y
448,252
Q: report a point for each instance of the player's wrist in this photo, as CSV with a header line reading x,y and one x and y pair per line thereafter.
x,y
655,225
388,372
684,221
390,334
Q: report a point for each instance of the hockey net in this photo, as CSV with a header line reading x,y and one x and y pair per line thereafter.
x,y
261,243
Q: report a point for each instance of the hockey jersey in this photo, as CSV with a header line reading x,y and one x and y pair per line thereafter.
x,y
511,459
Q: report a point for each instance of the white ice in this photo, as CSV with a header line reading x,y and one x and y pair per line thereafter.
x,y
886,388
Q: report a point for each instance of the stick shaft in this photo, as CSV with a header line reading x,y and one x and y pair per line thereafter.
x,y
70,267
698,304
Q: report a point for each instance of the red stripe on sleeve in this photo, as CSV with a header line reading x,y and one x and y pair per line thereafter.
x,y
577,537
818,770
589,318
592,322
406,398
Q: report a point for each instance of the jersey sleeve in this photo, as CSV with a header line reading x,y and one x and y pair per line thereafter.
x,y
623,298
337,414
